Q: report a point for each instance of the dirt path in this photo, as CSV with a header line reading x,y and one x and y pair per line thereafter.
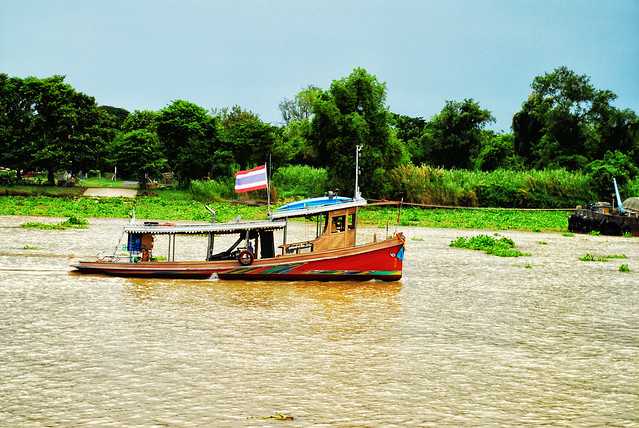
x,y
107,192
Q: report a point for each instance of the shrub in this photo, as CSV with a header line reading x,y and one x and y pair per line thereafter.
x,y
614,164
300,181
213,190
502,247
499,188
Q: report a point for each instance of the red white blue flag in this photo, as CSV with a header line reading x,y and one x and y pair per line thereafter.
x,y
251,179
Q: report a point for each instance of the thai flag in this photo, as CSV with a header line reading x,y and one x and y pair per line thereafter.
x,y
251,179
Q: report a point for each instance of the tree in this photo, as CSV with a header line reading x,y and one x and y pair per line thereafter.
x,y
409,130
138,154
497,151
353,112
614,164
189,137
567,122
118,115
140,119
301,106
452,138
245,135
16,122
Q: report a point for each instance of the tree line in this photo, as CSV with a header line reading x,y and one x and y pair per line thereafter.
x,y
46,124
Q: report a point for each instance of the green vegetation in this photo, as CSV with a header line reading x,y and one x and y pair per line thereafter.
x,y
595,233
499,188
588,257
493,219
30,190
30,247
71,223
300,181
181,205
100,182
567,141
624,268
502,247
568,234
212,190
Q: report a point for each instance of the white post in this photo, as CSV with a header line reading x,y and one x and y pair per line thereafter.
x,y
358,195
268,185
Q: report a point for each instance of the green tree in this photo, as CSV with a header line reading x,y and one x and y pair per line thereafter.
x,y
353,112
118,115
138,154
248,138
140,119
300,108
409,130
497,151
452,138
614,164
189,137
16,122
567,122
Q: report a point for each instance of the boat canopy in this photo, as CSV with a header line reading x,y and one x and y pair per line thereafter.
x,y
154,228
313,206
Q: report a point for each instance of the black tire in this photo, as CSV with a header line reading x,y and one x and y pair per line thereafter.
x,y
245,258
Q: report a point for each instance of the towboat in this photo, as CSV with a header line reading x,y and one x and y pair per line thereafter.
x,y
332,255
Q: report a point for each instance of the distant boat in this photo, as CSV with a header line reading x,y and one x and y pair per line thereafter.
x,y
331,255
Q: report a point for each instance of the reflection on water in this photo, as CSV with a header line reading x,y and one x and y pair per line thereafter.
x,y
463,339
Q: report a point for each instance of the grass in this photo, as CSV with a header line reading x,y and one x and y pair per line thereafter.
x,y
594,233
588,257
624,268
502,247
30,247
170,204
72,222
34,190
100,182
568,234
491,219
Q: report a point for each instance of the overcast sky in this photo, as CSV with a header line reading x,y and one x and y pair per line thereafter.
x,y
144,54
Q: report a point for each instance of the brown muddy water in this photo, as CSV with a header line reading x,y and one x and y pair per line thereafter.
x,y
464,339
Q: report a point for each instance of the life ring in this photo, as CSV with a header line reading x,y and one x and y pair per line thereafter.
x,y
245,258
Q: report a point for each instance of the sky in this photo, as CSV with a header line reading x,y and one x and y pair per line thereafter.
x,y
143,54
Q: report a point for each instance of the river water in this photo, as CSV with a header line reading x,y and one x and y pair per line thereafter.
x,y
464,339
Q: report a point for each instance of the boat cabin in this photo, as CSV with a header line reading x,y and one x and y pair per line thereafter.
x,y
335,219
253,238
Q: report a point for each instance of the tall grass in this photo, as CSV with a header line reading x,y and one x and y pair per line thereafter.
x,y
300,181
501,188
213,190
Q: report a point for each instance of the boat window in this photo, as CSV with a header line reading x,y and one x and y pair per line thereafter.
x,y
351,224
339,224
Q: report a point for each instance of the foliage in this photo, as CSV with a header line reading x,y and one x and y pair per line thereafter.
x,y
300,108
497,152
452,138
502,247
409,131
493,219
189,136
353,112
300,181
588,257
245,137
500,188
213,190
567,122
72,222
138,153
624,268
140,119
613,165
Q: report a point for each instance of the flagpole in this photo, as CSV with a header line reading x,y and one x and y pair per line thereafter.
x,y
268,185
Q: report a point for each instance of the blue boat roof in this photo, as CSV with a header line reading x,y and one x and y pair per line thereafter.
x,y
316,205
314,202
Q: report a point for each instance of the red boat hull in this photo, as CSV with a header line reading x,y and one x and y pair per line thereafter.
x,y
381,260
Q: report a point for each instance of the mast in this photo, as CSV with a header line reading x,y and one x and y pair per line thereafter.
x,y
358,195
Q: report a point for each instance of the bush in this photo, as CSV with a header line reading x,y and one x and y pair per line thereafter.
x,y
502,247
213,190
300,181
8,176
499,188
614,164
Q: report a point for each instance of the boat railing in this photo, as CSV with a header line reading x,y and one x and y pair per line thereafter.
x,y
296,247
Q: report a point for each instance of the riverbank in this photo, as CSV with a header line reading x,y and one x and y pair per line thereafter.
x,y
172,205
